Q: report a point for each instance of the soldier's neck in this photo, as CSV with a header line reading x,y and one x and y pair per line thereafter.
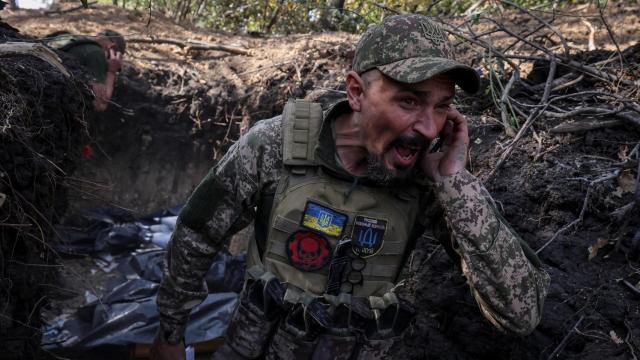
x,y
350,147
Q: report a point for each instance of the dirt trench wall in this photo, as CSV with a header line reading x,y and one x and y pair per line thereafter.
x,y
167,126
144,153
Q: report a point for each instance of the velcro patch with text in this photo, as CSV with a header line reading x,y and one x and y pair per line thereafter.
x,y
368,235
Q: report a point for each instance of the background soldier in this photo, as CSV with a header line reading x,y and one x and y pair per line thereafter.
x,y
101,55
338,201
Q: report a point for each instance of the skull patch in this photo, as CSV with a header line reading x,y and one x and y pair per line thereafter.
x,y
308,251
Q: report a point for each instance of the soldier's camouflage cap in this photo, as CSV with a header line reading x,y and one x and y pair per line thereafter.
x,y
411,48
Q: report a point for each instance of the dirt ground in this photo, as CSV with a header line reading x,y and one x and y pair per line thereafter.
x,y
193,104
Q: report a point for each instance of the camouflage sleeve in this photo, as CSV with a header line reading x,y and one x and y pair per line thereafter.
x,y
509,286
223,203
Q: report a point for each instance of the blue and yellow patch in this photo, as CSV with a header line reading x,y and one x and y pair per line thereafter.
x,y
323,219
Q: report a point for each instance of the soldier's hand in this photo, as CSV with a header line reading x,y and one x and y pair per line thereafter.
x,y
114,61
160,350
452,157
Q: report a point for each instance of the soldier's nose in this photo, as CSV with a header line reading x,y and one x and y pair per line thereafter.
x,y
426,127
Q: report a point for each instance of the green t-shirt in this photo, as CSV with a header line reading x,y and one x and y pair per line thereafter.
x,y
88,53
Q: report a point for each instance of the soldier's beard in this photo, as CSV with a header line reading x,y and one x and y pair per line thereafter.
x,y
380,174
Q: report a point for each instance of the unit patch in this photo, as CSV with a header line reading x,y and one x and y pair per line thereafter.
x,y
368,235
323,219
308,251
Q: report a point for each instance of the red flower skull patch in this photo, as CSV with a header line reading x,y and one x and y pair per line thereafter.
x,y
308,251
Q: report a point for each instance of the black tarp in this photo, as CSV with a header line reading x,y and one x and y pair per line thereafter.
x,y
127,313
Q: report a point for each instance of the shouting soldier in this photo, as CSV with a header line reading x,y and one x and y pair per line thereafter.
x,y
338,200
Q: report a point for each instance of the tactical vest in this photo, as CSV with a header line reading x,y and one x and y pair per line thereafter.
x,y
380,213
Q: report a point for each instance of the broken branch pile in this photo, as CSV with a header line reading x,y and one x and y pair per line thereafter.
x,y
565,81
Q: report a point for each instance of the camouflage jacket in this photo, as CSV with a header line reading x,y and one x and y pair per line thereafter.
x,y
509,288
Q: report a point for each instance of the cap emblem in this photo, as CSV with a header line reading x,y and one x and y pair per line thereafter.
x,y
432,32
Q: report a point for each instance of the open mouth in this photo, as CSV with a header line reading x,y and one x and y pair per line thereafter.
x,y
407,152
407,149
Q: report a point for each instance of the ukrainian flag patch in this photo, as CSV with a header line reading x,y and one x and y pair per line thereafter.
x,y
323,219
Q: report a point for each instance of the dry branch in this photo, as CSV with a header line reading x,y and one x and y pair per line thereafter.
x,y
585,203
591,43
564,341
585,126
190,44
505,103
631,286
543,22
630,117
589,70
386,8
568,84
532,117
611,35
563,82
586,110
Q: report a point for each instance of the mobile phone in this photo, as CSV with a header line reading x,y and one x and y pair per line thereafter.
x,y
437,145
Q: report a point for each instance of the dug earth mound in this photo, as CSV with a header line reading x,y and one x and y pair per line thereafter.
x,y
42,122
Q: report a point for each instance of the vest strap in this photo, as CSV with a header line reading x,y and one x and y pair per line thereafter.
x,y
256,271
292,295
340,299
301,120
384,301
266,277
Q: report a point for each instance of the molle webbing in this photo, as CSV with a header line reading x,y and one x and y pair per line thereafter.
x,y
301,125
294,295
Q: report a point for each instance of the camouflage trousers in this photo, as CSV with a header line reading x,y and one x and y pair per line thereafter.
x,y
252,335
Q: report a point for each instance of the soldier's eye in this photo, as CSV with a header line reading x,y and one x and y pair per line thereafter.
x,y
409,102
443,107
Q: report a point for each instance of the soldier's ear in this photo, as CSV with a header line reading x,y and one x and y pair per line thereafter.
x,y
355,90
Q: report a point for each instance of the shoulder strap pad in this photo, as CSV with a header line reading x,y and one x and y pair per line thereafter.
x,y
301,122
